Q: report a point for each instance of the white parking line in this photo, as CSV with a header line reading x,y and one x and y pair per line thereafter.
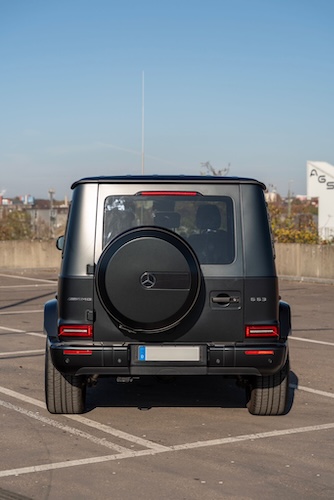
x,y
28,311
117,433
253,437
27,278
22,397
65,428
18,353
15,330
312,341
34,334
313,391
74,463
181,447
90,423
32,286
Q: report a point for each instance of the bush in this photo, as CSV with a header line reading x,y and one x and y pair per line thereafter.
x,y
295,228
293,235
15,225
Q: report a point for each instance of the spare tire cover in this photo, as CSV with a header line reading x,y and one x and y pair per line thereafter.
x,y
148,279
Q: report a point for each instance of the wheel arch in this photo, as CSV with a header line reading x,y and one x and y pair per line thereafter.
x,y
51,318
284,319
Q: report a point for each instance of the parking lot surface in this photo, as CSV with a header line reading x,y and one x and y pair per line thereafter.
x,y
185,438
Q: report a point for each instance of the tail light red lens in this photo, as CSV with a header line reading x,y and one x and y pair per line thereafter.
x,y
253,331
168,193
262,352
75,331
77,352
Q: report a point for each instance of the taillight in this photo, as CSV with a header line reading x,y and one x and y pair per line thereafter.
x,y
77,352
262,352
168,193
261,331
75,331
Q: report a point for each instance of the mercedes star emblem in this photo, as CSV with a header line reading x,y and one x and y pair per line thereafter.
x,y
148,280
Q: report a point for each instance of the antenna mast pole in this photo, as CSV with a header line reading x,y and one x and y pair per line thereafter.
x,y
142,127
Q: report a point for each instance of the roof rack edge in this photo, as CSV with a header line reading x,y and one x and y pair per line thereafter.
x,y
166,179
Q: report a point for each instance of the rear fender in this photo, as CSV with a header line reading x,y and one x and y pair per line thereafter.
x,y
285,319
51,318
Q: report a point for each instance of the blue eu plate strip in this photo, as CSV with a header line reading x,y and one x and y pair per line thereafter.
x,y
142,353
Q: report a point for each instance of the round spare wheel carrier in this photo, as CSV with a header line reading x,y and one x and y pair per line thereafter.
x,y
148,279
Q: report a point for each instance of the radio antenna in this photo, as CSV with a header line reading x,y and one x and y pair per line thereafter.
x,y
142,125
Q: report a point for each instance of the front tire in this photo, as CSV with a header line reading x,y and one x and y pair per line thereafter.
x,y
63,393
268,395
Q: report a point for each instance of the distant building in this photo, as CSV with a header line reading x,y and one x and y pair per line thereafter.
x,y
27,199
320,184
271,196
6,201
301,197
46,220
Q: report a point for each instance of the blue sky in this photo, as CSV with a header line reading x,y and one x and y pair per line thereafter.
x,y
245,83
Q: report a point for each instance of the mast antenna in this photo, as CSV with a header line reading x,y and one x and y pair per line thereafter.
x,y
143,125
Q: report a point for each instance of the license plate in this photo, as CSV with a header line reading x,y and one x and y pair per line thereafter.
x,y
168,353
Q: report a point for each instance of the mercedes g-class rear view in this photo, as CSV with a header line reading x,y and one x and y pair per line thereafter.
x,y
167,275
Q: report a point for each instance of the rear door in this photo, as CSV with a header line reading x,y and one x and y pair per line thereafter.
x,y
186,240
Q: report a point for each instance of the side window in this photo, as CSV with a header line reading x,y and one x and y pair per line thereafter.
x,y
271,231
61,241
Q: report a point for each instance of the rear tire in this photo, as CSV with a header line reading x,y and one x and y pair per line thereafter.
x,y
63,393
268,395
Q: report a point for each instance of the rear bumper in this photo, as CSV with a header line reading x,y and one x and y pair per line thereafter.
x,y
213,360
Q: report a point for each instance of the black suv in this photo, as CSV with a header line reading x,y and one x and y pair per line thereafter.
x,y
167,275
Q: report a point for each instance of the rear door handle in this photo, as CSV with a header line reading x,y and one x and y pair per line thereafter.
x,y
225,300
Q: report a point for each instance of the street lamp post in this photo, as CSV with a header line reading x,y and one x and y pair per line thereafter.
x,y
52,216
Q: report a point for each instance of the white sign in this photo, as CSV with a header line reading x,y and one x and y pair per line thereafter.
x,y
320,184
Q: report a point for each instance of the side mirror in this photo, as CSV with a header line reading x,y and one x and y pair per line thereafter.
x,y
60,242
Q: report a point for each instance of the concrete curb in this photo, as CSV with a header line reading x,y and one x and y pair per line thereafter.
x,y
305,279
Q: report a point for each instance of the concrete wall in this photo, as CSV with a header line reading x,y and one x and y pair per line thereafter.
x,y
29,254
305,261
292,259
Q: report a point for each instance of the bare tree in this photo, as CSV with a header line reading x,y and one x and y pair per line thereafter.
x,y
208,169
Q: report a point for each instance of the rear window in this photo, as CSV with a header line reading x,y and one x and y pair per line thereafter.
x,y
205,222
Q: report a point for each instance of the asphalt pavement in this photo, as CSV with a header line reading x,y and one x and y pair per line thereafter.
x,y
187,438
